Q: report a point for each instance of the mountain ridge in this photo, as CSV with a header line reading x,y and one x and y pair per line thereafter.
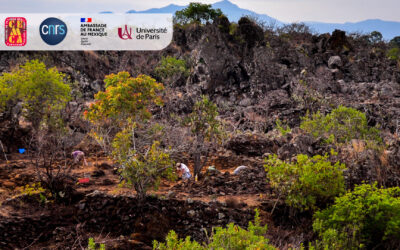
x,y
389,29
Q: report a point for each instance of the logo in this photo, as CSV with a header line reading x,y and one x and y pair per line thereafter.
x,y
91,30
53,31
126,34
15,31
86,20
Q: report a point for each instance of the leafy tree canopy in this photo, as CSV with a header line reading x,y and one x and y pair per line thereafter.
x,y
203,120
125,97
375,37
197,12
125,100
42,92
206,128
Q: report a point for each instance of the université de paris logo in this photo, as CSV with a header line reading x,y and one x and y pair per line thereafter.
x,y
125,33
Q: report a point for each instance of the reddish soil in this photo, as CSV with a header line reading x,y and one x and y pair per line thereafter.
x,y
233,194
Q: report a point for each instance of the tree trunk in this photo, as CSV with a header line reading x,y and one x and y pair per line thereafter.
x,y
197,163
140,193
197,155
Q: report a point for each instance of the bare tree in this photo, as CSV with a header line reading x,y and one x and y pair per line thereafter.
x,y
206,129
48,152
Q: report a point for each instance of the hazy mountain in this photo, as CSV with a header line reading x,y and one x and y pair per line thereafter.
x,y
172,8
387,28
232,11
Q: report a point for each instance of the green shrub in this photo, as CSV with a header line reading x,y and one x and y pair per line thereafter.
x,y
42,91
207,130
92,245
233,27
235,237
125,98
394,54
36,189
170,66
32,189
232,237
173,242
340,126
141,171
234,32
306,183
367,218
283,129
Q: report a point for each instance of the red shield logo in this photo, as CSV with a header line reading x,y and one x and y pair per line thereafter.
x,y
15,31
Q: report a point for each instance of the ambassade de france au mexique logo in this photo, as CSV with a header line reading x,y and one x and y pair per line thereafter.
x,y
53,31
15,31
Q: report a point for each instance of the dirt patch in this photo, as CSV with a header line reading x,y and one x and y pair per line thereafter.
x,y
248,181
112,216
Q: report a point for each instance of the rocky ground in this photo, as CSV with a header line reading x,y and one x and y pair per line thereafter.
x,y
110,213
255,78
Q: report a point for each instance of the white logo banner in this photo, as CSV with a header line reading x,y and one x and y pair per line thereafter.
x,y
85,31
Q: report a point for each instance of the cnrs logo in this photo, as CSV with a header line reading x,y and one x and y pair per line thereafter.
x,y
53,31
15,31
126,33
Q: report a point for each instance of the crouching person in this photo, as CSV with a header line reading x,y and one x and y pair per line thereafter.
x,y
184,171
79,156
239,169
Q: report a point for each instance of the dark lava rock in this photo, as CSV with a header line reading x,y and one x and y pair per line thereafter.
x,y
98,173
248,181
252,145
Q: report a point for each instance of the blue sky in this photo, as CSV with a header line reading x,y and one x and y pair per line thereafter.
x,y
285,10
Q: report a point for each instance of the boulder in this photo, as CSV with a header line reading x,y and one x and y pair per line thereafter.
x,y
335,62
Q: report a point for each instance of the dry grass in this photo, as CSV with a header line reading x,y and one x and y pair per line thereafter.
x,y
358,146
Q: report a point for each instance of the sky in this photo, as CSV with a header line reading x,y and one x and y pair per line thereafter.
x,y
338,11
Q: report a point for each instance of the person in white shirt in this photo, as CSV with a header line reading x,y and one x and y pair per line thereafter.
x,y
238,169
78,156
184,170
